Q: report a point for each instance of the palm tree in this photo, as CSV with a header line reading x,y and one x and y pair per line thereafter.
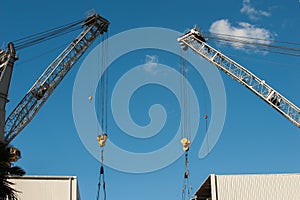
x,y
7,192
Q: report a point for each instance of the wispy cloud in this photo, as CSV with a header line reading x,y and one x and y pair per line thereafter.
x,y
243,29
253,13
151,64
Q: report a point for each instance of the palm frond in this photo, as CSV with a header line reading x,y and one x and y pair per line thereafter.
x,y
7,192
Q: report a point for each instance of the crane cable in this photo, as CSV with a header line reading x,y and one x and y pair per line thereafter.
x,y
47,35
184,98
185,126
101,179
206,128
258,44
103,107
187,186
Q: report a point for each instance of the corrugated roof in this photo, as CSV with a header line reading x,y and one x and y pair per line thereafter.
x,y
250,186
46,187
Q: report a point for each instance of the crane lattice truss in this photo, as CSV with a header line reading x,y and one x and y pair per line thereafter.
x,y
52,76
194,40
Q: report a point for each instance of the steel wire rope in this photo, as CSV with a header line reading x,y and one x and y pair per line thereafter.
x,y
256,48
42,54
97,104
206,34
260,46
257,60
43,39
103,97
181,89
46,35
237,41
252,41
105,55
185,127
43,32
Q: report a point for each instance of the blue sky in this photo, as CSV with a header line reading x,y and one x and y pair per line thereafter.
x,y
255,138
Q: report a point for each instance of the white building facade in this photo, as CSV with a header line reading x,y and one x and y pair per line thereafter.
x,y
46,187
250,187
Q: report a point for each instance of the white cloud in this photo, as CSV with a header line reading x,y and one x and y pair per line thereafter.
x,y
253,13
243,29
151,64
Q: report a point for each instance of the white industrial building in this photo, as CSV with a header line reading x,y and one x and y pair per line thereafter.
x,y
250,187
46,187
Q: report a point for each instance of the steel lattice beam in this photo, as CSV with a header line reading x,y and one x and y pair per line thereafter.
x,y
197,43
52,76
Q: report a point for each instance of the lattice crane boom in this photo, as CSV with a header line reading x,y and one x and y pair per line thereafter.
x,y
194,40
94,25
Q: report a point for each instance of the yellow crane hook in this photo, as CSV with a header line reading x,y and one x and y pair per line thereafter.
x,y
102,139
185,143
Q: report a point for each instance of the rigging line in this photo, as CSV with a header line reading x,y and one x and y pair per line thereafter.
x,y
46,35
101,179
254,43
50,30
106,83
100,87
258,44
276,51
247,37
279,52
44,38
50,34
103,87
206,129
183,190
188,106
190,188
42,54
31,43
268,47
185,176
240,46
99,186
186,102
229,40
185,127
181,89
187,186
184,99
98,92
184,109
259,60
184,96
103,136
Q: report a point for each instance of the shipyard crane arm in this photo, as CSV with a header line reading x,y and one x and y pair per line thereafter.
x,y
94,25
195,40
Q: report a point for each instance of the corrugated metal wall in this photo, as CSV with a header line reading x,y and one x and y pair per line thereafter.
x,y
260,186
46,188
